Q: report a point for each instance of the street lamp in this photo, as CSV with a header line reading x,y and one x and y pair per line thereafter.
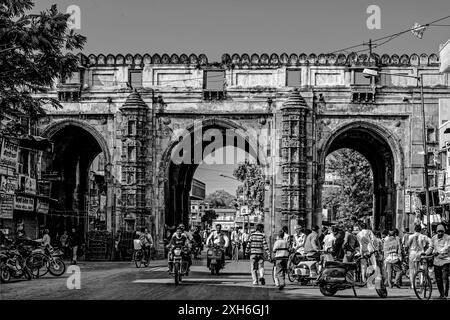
x,y
375,73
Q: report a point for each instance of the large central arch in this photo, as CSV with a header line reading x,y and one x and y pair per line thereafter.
x,y
179,177
385,156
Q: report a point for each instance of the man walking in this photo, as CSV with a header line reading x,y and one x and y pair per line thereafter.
x,y
75,242
281,252
440,247
416,246
257,247
245,236
392,256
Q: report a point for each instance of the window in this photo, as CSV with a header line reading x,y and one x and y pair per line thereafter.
x,y
74,79
131,153
135,78
131,127
293,78
24,156
214,85
360,79
69,96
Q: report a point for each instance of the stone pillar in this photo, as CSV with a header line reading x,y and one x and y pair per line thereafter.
x,y
296,159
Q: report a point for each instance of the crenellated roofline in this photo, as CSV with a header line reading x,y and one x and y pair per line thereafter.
x,y
263,60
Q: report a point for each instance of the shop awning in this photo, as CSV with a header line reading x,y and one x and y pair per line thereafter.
x,y
35,143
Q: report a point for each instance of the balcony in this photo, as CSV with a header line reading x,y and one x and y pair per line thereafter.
x,y
363,93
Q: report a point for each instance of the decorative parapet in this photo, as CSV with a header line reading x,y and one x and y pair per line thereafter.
x,y
263,60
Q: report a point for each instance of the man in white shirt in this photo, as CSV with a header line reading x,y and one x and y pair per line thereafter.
x,y
366,240
328,244
416,245
299,240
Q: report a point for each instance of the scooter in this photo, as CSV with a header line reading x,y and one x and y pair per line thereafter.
x,y
214,259
304,268
178,264
337,276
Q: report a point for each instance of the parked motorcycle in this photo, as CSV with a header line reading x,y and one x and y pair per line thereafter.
x,y
12,265
178,263
303,268
338,275
215,259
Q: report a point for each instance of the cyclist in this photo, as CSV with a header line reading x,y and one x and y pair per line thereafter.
x,y
367,242
440,247
146,241
416,245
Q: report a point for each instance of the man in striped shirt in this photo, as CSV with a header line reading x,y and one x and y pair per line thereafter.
x,y
257,247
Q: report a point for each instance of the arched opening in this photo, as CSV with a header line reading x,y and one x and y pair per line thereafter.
x,y
371,142
76,168
348,187
217,138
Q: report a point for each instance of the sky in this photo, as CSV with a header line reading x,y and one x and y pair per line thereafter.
x,y
215,27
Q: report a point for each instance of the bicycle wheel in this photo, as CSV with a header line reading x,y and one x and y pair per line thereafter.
x,y
422,285
290,271
38,264
138,258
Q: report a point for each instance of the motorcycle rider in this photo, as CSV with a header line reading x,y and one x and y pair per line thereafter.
x,y
219,238
312,245
299,240
198,238
179,239
257,247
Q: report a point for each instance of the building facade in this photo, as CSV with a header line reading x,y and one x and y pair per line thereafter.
x,y
146,112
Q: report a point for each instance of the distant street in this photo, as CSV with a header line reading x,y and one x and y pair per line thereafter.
x,y
122,280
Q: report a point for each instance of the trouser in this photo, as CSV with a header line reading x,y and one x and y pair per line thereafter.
x,y
413,267
257,266
74,253
364,265
280,267
244,248
389,268
442,273
147,252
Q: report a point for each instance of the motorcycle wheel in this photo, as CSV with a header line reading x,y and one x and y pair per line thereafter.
x,y
27,273
38,264
57,267
327,290
138,258
176,271
5,276
382,293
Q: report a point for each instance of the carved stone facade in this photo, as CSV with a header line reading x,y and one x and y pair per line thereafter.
x,y
285,128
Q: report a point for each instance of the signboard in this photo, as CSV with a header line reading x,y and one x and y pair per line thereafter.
x,y
416,203
8,184
444,196
6,206
244,211
407,203
42,206
441,179
444,57
9,155
27,184
24,203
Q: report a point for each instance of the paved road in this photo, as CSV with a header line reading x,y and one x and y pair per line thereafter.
x,y
122,280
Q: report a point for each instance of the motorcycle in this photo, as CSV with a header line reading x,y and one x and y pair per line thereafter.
x,y
178,264
303,268
196,249
215,259
12,265
338,275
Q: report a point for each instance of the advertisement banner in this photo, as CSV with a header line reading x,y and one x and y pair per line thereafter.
x,y
27,184
9,155
441,179
8,184
42,206
24,203
6,206
407,203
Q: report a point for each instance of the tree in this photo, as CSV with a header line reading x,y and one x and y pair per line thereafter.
x,y
353,174
220,199
209,216
254,184
35,49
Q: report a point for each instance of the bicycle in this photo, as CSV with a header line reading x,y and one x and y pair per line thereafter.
x,y
423,287
140,256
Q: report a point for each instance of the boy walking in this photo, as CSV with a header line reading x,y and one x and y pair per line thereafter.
x,y
281,252
257,247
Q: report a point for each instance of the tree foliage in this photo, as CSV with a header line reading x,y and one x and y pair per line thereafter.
x,y
253,189
209,216
353,174
35,49
220,199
